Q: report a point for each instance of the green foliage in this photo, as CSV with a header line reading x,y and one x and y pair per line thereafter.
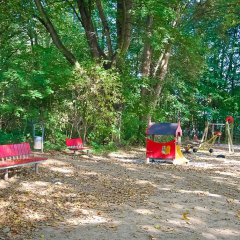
x,y
103,149
14,136
106,106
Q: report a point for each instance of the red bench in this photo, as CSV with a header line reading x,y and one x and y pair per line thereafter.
x,y
76,144
16,155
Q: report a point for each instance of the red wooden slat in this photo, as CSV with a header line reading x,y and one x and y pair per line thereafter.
x,y
2,151
20,161
12,150
20,148
6,151
74,142
15,150
28,149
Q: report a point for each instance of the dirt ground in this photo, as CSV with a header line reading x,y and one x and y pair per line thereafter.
x,y
118,196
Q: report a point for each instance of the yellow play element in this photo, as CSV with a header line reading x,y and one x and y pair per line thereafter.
x,y
180,159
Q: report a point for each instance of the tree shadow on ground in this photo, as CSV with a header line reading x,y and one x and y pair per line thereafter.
x,y
94,198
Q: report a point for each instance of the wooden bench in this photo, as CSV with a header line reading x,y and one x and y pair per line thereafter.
x,y
17,155
76,144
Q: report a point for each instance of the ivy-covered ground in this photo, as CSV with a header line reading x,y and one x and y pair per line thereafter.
x,y
117,196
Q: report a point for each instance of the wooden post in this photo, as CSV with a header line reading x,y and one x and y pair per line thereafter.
x,y
213,129
230,143
205,133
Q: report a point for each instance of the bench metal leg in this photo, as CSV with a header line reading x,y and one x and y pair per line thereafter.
x,y
6,175
75,155
36,168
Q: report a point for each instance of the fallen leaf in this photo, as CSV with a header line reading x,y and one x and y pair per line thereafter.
x,y
157,226
185,216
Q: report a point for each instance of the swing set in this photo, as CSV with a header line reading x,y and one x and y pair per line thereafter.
x,y
206,144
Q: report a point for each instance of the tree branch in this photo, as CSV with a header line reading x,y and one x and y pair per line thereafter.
x,y
89,30
75,12
105,27
44,19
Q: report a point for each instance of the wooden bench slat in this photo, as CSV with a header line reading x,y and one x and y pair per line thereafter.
x,y
20,154
9,163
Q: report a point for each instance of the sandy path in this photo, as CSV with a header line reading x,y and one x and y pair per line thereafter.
x,y
119,197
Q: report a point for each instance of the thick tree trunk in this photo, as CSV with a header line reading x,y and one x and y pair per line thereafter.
x,y
44,19
90,32
124,8
147,52
146,68
222,61
161,77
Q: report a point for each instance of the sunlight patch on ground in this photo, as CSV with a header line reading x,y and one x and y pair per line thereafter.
x,y
144,211
142,182
61,170
33,216
165,188
98,158
37,187
54,161
178,206
201,209
228,173
204,193
90,173
87,217
4,204
218,179
4,184
123,156
209,236
200,164
225,232
177,222
132,169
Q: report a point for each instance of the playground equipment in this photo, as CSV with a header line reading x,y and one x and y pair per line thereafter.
x,y
206,144
229,132
167,151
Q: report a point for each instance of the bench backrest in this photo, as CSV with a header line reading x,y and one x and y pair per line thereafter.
x,y
13,150
74,142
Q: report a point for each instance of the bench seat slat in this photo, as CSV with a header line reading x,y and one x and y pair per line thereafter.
x,y
77,148
21,161
20,154
10,163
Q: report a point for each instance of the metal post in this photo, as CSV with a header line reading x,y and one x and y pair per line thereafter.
x,y
42,137
6,175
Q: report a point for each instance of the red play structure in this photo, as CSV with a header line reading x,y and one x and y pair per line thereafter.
x,y
164,150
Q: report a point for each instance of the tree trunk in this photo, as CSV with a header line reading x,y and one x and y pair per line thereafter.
x,y
124,8
147,52
162,74
90,32
106,30
146,69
